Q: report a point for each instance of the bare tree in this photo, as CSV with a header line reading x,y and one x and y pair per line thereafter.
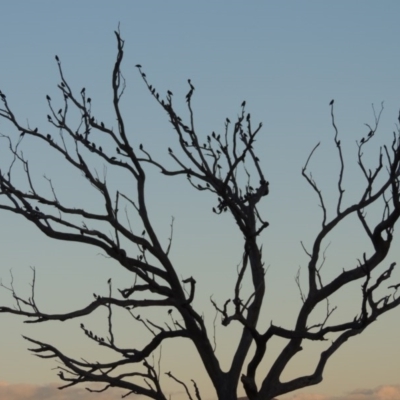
x,y
227,166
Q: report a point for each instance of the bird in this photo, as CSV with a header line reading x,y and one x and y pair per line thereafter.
x,y
331,103
244,103
48,98
141,146
169,149
138,66
83,91
57,59
169,92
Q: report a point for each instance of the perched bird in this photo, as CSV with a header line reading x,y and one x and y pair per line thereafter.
x,y
57,59
141,146
169,92
228,120
138,66
48,98
332,101
83,91
244,103
169,149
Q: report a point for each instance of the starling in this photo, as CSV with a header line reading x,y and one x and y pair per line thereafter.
x,y
244,103
169,93
57,59
169,149
89,100
48,136
35,130
141,146
228,120
170,311
138,66
102,124
83,91
331,103
48,98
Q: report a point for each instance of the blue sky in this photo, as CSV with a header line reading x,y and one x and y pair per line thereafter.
x,y
287,60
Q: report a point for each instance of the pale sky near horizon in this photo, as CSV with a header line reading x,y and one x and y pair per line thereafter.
x,y
287,60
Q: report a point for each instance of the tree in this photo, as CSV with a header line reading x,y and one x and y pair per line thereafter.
x,y
227,166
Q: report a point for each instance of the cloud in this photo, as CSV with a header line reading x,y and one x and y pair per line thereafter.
x,y
25,391
384,392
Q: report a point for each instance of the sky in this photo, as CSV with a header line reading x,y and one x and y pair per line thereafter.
x,y
287,60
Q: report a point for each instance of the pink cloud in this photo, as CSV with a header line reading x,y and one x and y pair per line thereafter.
x,y
24,391
384,392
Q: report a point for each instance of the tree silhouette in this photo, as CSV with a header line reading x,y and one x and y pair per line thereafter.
x,y
225,165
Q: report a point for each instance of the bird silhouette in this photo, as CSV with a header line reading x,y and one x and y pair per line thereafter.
x,y
48,97
57,59
138,66
331,102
